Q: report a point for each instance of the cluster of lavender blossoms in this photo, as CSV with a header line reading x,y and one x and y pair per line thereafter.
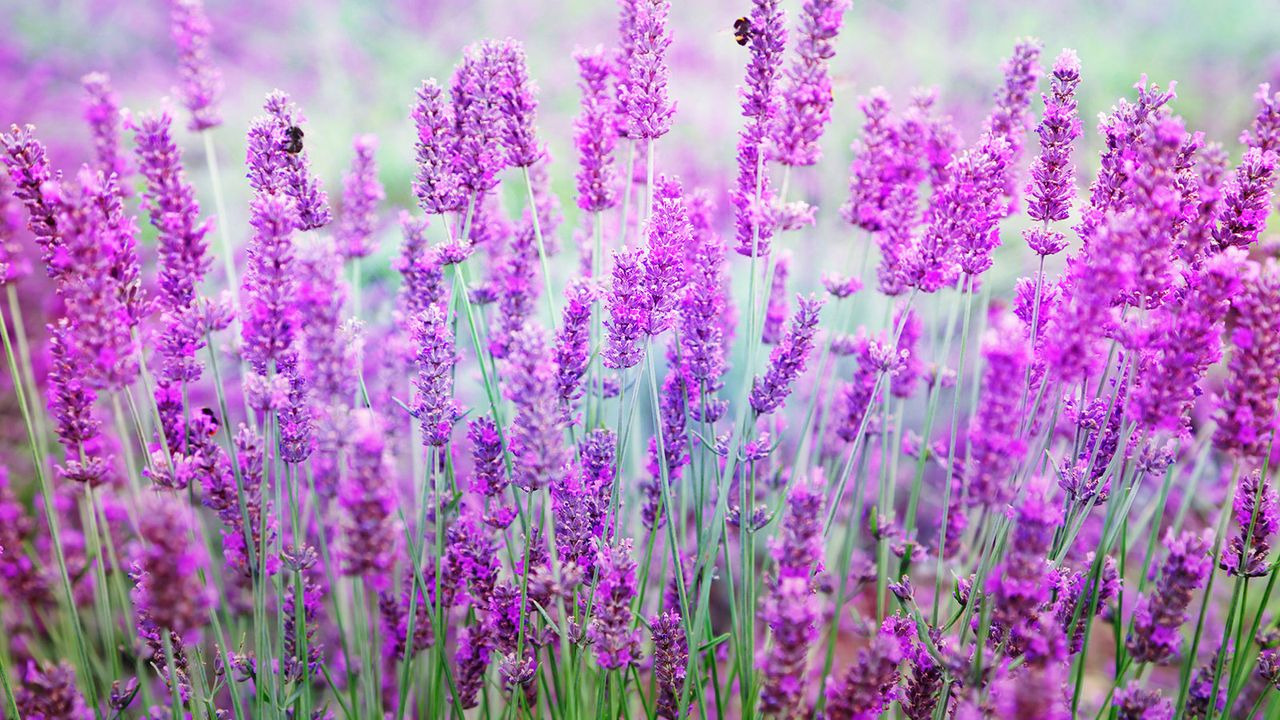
x,y
681,465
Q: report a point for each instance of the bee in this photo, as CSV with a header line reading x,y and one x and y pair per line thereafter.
x,y
214,425
742,31
293,145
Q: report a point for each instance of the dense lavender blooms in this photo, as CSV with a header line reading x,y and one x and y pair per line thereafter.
x,y
669,234
167,567
36,185
1257,519
702,326
479,123
573,345
295,417
518,105
1137,703
869,687
436,183
787,361
642,87
593,133
50,692
775,314
616,644
368,531
293,170
433,403
875,156
536,442
994,439
670,658
20,577
1021,586
807,94
270,315
201,81
102,113
1157,622
1246,410
1010,118
1052,185
361,193
489,476
71,402
753,197
628,312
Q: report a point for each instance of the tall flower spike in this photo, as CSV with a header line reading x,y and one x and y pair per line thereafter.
x,y
50,691
1246,201
628,314
296,418
1246,404
787,361
994,439
479,122
166,567
489,476
270,319
1021,585
536,440
361,193
870,686
642,92
875,155
807,95
36,185
367,529
1257,519
752,195
573,345
670,662
433,403
669,234
1011,116
436,183
102,113
519,105
616,644
703,330
776,311
201,81
1265,133
71,403
791,612
594,133
296,179
1155,634
1052,186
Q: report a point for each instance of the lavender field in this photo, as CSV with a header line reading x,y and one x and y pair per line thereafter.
x,y
638,359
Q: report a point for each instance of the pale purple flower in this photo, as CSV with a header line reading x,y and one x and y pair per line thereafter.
x,y
787,361
361,194
628,312
436,183
201,82
776,310
995,439
807,93
752,195
1246,403
166,567
367,530
573,345
1157,622
269,288
594,133
536,438
433,403
617,646
102,113
1052,184
293,175
642,87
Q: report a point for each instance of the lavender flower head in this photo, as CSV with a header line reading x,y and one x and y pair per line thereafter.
x,y
669,234
670,662
433,402
367,529
752,195
787,361
270,315
1155,634
1052,185
436,183
616,644
294,177
360,197
166,569
516,98
1257,519
628,312
642,89
102,113
1246,404
201,81
480,125
594,133
536,439
870,685
807,94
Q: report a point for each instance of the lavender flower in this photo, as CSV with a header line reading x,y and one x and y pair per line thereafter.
x,y
36,185
573,346
787,361
670,661
1011,117
102,113
296,420
776,310
703,328
270,315
436,183
536,440
367,529
995,440
616,644
807,95
433,404
421,269
1256,515
1136,703
201,81
790,612
669,233
1265,133
71,402
21,579
489,476
1246,410
518,105
166,569
49,691
360,197
752,195
875,158
594,133
245,531
479,122
1021,585
642,92
1154,636
305,587
294,176
472,659
869,687
628,312
1246,200
1052,184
